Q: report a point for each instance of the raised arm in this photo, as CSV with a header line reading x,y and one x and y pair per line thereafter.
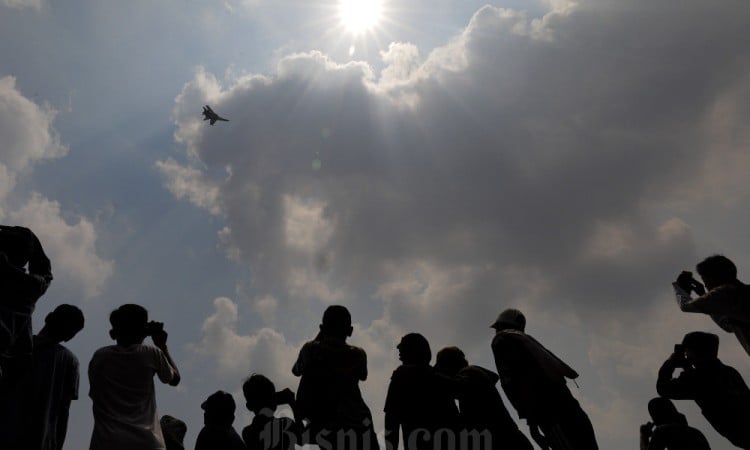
x,y
160,341
674,388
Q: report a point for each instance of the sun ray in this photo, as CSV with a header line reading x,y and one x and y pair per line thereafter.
x,y
359,16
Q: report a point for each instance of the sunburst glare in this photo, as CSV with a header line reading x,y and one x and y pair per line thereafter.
x,y
359,16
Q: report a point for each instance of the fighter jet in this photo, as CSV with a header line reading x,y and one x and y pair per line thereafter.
x,y
209,114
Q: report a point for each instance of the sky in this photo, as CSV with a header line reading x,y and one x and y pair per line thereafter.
x,y
454,159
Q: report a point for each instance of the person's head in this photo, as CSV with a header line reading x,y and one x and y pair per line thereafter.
x,y
21,246
63,323
450,360
218,409
700,347
510,319
663,411
129,324
414,349
717,270
259,393
337,322
174,430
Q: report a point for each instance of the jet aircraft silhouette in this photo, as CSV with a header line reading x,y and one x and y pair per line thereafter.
x,y
209,114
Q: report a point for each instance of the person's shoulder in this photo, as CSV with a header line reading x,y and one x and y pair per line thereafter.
x,y
509,338
409,371
107,351
731,291
478,373
357,351
248,430
309,346
729,370
203,438
146,349
401,372
666,432
65,353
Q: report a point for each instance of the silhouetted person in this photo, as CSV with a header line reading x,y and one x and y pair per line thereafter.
x,y
267,432
669,429
533,379
19,292
41,399
174,431
482,408
419,402
718,389
55,380
121,379
727,300
218,417
328,394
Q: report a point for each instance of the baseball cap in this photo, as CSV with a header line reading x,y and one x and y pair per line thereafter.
x,y
510,318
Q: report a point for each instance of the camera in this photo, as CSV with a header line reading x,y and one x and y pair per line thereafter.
x,y
690,284
154,328
679,356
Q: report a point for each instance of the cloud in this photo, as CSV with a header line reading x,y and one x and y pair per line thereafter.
x,y
28,135
237,355
29,138
70,247
541,163
187,182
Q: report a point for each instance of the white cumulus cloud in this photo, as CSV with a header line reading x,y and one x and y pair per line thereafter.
x,y
29,138
70,246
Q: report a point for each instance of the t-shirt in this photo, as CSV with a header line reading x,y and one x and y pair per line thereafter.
x,y
329,393
55,385
418,399
122,389
677,436
728,306
270,433
216,437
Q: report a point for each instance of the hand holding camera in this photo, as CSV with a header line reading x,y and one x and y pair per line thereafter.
x,y
679,358
284,397
157,333
647,429
686,281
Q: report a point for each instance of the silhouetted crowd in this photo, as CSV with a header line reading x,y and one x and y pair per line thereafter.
x,y
451,405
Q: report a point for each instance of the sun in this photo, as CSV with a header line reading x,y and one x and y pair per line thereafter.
x,y
359,16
